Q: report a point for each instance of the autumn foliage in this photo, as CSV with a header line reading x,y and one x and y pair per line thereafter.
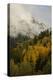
x,y
32,56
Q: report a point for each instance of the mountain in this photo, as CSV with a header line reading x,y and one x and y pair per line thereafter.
x,y
22,21
29,28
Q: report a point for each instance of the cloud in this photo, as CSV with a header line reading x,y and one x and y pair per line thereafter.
x,y
21,21
18,14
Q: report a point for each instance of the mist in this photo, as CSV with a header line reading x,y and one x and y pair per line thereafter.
x,y
23,21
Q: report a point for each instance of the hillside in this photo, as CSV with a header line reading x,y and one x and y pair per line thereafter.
x,y
30,55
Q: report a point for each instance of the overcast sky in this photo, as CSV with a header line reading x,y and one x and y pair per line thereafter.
x,y
41,12
25,12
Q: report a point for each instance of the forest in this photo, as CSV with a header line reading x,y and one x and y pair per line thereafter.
x,y
29,56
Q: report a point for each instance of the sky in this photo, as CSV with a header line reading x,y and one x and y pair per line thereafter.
x,y
21,17
40,12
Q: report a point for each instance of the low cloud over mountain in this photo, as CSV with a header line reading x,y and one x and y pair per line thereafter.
x,y
22,21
